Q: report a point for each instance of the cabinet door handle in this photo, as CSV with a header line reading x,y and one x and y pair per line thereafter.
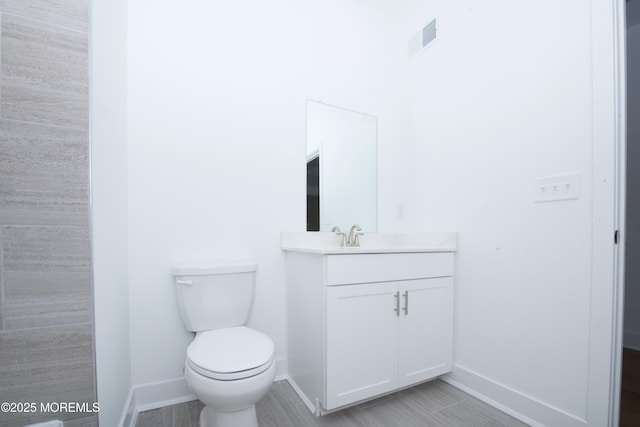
x,y
406,303
397,309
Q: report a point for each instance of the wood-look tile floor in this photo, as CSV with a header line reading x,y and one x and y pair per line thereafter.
x,y
630,393
435,403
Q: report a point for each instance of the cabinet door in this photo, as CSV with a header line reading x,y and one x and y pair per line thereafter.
x,y
425,329
362,336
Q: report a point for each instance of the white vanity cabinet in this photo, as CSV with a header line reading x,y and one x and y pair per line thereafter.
x,y
364,324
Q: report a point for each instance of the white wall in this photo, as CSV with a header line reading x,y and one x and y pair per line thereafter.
x,y
109,206
632,273
503,97
216,136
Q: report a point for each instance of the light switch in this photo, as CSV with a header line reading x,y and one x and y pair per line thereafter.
x,y
557,187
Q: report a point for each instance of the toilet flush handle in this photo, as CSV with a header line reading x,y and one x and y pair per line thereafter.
x,y
185,282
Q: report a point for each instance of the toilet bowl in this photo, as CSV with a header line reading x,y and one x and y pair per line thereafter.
x,y
228,366
229,370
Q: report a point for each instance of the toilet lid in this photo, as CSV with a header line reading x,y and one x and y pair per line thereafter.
x,y
230,353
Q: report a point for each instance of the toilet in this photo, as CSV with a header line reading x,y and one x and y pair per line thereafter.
x,y
228,366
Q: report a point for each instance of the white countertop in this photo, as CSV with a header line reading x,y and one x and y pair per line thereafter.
x,y
329,244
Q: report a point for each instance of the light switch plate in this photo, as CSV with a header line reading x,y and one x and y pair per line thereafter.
x,y
557,187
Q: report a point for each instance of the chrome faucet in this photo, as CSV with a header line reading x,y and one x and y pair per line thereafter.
x,y
336,230
353,239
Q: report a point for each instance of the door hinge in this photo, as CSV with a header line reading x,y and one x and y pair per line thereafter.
x,y
615,237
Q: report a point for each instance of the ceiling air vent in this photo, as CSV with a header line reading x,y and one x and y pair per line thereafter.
x,y
419,41
429,33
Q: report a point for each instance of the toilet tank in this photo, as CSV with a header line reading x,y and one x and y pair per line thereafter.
x,y
215,295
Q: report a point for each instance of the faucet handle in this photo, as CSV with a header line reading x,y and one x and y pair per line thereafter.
x,y
353,240
336,230
356,239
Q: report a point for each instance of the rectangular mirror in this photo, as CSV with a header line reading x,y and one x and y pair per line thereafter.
x,y
341,168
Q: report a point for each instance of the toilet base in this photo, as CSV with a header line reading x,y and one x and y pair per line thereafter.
x,y
246,417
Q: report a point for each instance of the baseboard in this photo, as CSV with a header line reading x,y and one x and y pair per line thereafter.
x,y
162,393
631,340
281,369
129,415
155,395
159,394
301,395
519,405
53,423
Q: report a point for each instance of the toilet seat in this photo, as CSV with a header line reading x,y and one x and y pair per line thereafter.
x,y
230,353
